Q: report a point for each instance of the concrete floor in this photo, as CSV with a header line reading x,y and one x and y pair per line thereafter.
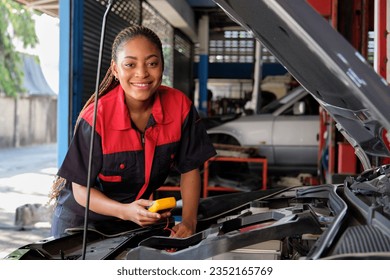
x,y
26,175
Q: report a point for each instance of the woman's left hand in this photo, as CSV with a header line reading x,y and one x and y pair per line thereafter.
x,y
183,230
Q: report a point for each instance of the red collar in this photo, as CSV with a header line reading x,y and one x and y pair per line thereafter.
x,y
121,118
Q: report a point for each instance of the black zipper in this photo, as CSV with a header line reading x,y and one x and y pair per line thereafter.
x,y
142,139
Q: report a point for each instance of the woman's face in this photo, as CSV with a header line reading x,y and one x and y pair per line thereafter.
x,y
138,68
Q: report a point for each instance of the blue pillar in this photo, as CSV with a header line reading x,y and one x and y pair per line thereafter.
x,y
63,100
203,73
69,97
203,69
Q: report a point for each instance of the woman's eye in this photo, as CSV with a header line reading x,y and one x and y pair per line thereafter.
x,y
131,65
153,64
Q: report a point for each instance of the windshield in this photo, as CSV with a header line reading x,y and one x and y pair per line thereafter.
x,y
276,104
271,107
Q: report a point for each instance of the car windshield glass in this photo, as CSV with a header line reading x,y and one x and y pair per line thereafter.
x,y
276,104
268,109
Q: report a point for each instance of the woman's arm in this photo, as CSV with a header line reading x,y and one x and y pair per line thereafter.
x,y
101,204
190,193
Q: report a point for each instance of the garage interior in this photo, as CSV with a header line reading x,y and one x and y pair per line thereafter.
x,y
228,75
241,78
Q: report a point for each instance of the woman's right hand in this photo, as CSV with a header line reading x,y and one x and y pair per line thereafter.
x,y
137,212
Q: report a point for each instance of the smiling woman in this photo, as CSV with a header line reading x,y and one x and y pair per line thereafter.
x,y
143,130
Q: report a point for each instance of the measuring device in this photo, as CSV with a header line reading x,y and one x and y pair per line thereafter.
x,y
162,204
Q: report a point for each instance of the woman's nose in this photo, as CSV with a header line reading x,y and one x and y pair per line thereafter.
x,y
141,71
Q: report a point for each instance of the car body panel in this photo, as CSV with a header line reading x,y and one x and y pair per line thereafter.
x,y
302,131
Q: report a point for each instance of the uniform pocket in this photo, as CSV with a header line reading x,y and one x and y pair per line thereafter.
x,y
113,179
119,167
165,159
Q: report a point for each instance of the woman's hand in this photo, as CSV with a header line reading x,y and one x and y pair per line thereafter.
x,y
137,212
183,230
190,193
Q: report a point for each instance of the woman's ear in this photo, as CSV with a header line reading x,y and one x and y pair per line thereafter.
x,y
114,69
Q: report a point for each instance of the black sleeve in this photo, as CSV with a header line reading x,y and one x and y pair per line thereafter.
x,y
195,144
75,165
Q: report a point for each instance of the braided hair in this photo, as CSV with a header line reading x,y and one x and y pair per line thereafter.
x,y
109,81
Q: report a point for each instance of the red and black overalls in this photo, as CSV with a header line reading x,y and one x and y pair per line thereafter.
x,y
128,165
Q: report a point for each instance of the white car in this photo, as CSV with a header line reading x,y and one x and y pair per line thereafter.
x,y
286,132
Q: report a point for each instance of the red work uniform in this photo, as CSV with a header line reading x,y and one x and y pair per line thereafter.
x,y
128,165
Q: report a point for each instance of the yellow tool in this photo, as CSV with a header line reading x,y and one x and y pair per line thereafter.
x,y
163,204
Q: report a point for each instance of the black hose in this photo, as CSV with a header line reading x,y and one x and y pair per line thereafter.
x,y
110,3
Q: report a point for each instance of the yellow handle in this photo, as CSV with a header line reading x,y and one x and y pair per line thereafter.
x,y
162,204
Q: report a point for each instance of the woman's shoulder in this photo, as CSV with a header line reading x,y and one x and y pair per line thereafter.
x,y
174,101
168,89
170,93
107,101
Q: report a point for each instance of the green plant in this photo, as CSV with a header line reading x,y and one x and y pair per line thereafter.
x,y
16,21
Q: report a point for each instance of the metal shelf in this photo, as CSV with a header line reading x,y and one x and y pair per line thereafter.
x,y
207,188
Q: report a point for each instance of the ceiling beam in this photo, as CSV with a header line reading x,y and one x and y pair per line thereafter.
x,y
49,7
179,14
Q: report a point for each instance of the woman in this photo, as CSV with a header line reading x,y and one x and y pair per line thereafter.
x,y
143,129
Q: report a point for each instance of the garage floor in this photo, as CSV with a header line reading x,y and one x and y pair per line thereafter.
x,y
26,175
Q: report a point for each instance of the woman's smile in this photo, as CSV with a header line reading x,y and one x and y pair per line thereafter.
x,y
141,85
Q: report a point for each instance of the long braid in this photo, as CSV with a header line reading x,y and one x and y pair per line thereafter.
x,y
109,82
106,85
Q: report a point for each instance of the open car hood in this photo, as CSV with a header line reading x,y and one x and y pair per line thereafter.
x,y
323,62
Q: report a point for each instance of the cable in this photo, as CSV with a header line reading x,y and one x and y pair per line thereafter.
x,y
168,228
86,215
170,250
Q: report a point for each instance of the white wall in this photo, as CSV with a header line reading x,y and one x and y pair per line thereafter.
x,y
28,120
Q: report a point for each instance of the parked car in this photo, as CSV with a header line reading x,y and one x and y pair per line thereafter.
x,y
286,132
331,221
